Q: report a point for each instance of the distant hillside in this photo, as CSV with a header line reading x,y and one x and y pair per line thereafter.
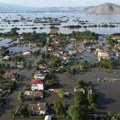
x,y
106,8
4,7
18,8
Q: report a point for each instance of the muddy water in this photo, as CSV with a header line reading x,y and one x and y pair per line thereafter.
x,y
108,92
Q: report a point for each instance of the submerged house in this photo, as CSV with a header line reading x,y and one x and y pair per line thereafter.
x,y
37,109
103,54
37,85
10,75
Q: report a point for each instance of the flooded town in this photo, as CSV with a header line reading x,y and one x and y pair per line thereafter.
x,y
59,66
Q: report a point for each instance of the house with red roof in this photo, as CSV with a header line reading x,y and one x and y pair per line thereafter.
x,y
37,85
37,94
56,40
103,54
50,48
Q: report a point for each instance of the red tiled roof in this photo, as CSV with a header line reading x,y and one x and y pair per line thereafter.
x,y
55,90
37,82
97,46
106,57
55,39
66,54
38,94
103,51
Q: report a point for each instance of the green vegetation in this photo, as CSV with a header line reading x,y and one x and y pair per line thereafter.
x,y
34,37
57,107
61,93
23,109
106,63
7,84
84,102
21,96
2,102
86,35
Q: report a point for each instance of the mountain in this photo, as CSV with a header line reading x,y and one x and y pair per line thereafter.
x,y
64,9
106,8
4,7
18,8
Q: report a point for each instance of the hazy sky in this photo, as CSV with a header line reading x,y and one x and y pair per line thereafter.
x,y
50,3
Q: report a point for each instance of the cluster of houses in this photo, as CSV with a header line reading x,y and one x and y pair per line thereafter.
x,y
63,53
103,51
116,47
36,91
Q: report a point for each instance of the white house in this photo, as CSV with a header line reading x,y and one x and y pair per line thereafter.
x,y
48,117
6,57
37,85
20,65
27,52
103,54
40,76
72,52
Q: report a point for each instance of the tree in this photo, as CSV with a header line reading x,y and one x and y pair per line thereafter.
x,y
106,63
79,97
20,77
91,97
74,112
61,93
55,62
14,31
72,72
21,96
57,106
37,63
85,64
23,109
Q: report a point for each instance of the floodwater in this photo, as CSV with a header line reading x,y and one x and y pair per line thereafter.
x,y
28,26
5,42
22,48
108,92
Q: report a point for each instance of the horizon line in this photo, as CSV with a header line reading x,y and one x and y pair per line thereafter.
x,y
51,6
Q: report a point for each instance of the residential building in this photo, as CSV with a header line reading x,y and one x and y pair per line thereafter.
x,y
37,85
37,109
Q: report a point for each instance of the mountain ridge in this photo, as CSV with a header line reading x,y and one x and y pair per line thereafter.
x,y
105,8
